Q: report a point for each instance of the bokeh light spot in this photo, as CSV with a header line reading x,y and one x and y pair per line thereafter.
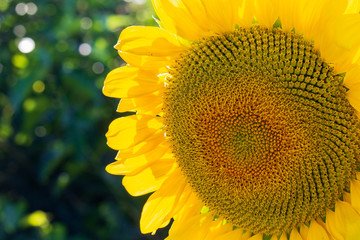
x,y
8,110
20,61
101,44
98,67
85,49
5,130
26,45
40,131
26,8
21,9
86,23
19,30
31,8
29,104
63,180
21,139
38,86
115,22
38,219
4,5
140,2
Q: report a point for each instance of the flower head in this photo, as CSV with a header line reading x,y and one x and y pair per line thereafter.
x,y
247,119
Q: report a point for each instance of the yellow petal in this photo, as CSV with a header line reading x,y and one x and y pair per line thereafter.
x,y
347,221
295,235
187,198
191,209
129,131
353,7
313,19
186,208
321,223
317,232
217,229
236,234
348,31
223,15
196,227
341,42
137,165
257,237
246,235
176,18
354,96
133,165
304,230
311,15
266,12
142,147
356,58
162,150
274,237
283,237
347,197
197,18
148,46
306,16
157,208
352,76
332,225
148,180
147,104
149,41
355,194
129,81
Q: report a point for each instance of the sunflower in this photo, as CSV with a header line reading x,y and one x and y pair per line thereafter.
x,y
245,119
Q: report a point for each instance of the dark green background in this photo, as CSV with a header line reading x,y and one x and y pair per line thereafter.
x,y
53,118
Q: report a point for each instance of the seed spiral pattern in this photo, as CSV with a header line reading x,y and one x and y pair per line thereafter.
x,y
261,127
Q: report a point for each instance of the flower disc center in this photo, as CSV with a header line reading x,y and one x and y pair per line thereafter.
x,y
261,127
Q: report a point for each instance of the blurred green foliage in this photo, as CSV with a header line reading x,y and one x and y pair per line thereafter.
x,y
53,118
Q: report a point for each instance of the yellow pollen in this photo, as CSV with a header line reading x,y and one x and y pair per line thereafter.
x,y
261,127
